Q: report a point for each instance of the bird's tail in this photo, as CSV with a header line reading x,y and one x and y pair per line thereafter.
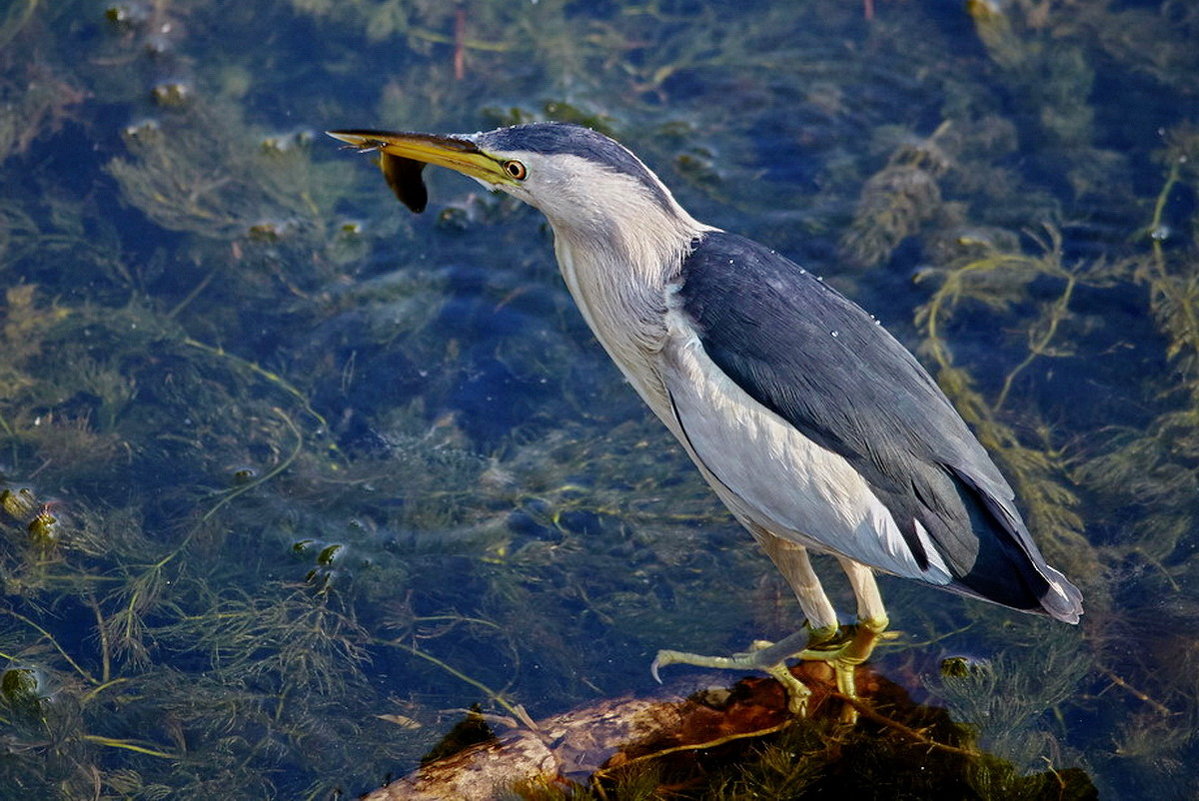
x,y
1061,599
1009,568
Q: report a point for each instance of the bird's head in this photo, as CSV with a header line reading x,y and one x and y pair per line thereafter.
x,y
590,187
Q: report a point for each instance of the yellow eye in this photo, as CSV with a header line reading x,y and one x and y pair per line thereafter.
x,y
515,169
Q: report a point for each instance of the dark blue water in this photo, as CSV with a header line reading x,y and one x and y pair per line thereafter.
x,y
282,458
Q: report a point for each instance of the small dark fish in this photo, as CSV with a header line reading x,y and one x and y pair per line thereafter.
x,y
403,174
404,177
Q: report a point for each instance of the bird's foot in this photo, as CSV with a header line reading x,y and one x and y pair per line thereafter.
x,y
762,655
844,656
842,653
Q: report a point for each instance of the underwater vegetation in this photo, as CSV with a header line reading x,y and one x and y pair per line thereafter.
x,y
289,479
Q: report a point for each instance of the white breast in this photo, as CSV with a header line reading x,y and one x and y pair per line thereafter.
x,y
633,344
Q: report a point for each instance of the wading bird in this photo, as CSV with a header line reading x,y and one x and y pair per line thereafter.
x,y
818,430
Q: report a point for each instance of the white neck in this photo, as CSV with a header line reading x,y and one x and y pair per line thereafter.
x,y
617,263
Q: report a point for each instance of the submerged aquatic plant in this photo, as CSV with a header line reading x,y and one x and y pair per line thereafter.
x,y
198,172
1152,467
997,279
289,479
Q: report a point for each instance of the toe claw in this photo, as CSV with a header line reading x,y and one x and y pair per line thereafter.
x,y
663,659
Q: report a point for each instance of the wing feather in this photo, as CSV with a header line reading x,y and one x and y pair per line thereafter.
x,y
818,361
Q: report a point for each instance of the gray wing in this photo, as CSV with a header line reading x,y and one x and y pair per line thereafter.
x,y
821,363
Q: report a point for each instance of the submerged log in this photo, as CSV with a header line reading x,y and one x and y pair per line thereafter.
x,y
693,742
584,744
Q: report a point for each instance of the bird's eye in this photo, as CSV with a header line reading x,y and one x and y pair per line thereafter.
x,y
515,169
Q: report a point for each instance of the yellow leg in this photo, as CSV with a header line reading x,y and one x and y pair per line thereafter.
x,y
872,622
810,644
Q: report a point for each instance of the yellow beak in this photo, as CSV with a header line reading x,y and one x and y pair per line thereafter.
x,y
402,157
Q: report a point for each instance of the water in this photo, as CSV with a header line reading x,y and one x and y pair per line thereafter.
x,y
282,458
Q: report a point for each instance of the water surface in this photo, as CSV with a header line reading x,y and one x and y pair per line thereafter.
x,y
294,477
